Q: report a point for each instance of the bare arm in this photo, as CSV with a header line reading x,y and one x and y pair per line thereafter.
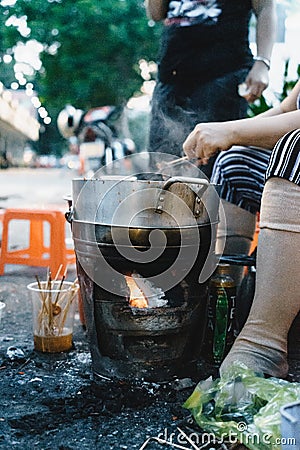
x,y
265,11
156,9
262,131
287,105
258,77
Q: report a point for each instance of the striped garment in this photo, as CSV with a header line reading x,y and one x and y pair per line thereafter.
x,y
241,173
285,158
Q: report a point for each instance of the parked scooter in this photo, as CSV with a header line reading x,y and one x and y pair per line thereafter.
x,y
99,134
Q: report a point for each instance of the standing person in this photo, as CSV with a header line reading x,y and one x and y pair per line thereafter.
x,y
262,343
204,56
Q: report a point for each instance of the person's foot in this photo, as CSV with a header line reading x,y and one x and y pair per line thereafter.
x,y
261,359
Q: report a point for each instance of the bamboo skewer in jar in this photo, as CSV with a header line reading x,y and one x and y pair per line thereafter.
x,y
53,304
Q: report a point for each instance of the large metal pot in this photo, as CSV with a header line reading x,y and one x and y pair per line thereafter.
x,y
163,230
126,213
142,205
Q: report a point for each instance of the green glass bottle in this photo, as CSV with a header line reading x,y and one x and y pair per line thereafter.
x,y
221,323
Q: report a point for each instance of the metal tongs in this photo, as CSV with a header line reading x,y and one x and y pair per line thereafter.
x,y
166,165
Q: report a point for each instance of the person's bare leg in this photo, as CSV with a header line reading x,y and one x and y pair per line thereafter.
x,y
262,343
235,234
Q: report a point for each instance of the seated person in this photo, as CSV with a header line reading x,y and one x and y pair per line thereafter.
x,y
262,343
241,170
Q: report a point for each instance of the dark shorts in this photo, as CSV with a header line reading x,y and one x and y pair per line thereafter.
x,y
176,109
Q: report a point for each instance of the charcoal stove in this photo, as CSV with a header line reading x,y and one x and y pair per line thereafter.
x,y
145,250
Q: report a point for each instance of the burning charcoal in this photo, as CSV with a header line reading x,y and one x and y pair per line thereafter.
x,y
143,294
15,354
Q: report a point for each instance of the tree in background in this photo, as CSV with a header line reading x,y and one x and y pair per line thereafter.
x,y
90,48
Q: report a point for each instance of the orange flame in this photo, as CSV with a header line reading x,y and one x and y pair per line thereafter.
x,y
137,298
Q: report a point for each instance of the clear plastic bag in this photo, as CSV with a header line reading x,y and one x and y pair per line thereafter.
x,y
242,406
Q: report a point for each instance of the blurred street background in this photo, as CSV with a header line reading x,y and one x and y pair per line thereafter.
x,y
28,188
36,188
40,188
47,65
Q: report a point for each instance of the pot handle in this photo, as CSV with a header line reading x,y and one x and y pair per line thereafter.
x,y
187,180
69,214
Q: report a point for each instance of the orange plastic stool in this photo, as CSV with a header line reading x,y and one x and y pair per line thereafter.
x,y
37,253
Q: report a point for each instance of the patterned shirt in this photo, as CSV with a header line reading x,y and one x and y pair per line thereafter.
x,y
191,12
